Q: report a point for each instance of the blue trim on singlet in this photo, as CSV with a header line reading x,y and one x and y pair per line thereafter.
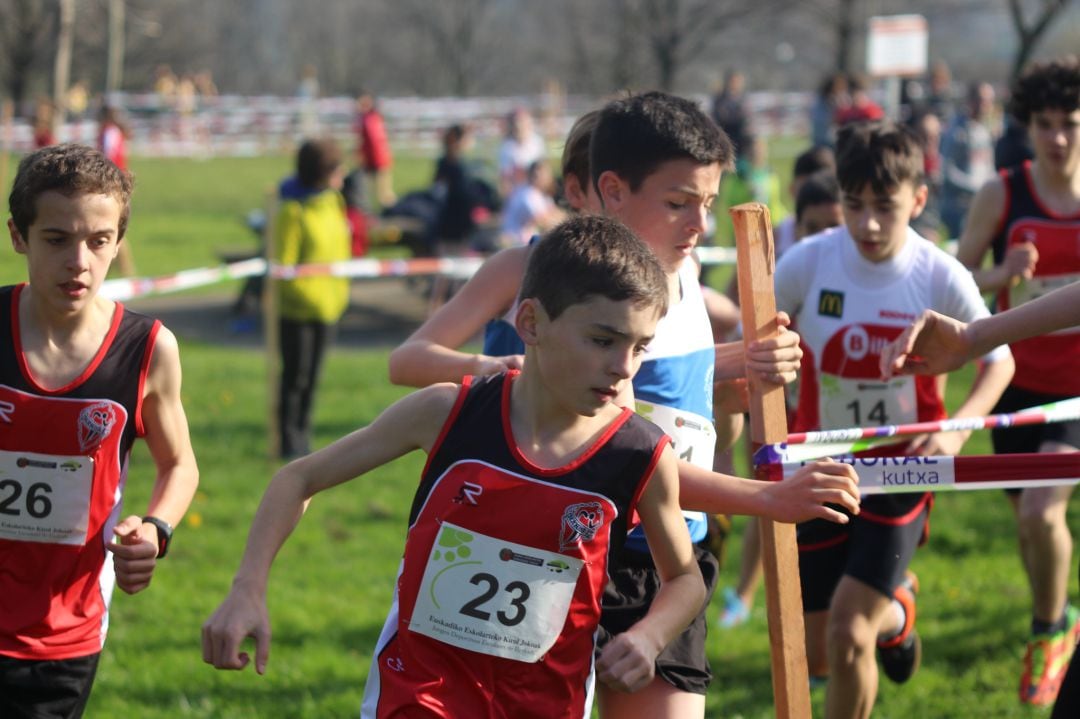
x,y
678,382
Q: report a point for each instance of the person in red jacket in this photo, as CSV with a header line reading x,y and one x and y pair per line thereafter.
x,y
373,149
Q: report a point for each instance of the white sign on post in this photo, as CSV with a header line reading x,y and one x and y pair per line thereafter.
x,y
897,45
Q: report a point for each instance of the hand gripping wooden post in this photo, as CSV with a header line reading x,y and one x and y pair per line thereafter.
x,y
768,423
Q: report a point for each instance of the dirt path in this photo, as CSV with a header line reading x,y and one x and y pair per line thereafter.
x,y
381,313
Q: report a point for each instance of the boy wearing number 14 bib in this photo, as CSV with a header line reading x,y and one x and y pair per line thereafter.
x,y
532,481
851,290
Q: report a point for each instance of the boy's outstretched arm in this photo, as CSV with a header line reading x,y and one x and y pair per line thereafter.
x,y
627,662
935,343
177,475
411,423
774,360
431,353
802,496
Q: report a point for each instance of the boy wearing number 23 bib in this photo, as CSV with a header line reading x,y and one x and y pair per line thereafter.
x,y
851,290
532,481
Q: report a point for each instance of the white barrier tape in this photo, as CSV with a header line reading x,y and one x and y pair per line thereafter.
x,y
458,268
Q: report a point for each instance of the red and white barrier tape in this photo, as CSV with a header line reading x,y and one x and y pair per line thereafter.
x,y
455,267
894,475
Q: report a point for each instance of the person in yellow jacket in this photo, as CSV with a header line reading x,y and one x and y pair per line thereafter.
x,y
311,227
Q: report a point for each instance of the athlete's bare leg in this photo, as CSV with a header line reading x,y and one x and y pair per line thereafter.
x,y
1046,543
659,700
857,615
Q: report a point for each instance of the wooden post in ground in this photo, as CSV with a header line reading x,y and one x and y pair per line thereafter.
x,y
768,423
271,327
7,112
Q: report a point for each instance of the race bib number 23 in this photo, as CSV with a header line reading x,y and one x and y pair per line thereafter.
x,y
492,596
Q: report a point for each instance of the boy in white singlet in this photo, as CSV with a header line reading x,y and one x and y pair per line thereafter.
x,y
851,290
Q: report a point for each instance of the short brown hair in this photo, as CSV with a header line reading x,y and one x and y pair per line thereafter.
x,y
592,255
575,155
316,162
68,169
882,154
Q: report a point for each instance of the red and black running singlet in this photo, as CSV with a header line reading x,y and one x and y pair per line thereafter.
x,y
63,462
498,598
1046,364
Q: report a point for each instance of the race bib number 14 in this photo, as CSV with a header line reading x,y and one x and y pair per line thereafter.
x,y
492,596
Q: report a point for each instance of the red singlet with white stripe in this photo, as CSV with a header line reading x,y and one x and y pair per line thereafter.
x,y
63,463
498,596
1046,364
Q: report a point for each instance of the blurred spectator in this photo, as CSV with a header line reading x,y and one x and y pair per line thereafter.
x,y
927,127
753,181
809,162
77,100
817,204
531,208
521,147
465,201
310,227
730,112
832,96
862,107
44,114
967,153
373,152
112,136
308,93
940,96
165,86
1014,145
112,141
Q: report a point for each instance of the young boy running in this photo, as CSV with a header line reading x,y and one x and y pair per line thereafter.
x,y
529,488
655,164
852,290
1029,217
80,378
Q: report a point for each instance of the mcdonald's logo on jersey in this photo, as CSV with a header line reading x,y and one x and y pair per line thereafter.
x,y
831,303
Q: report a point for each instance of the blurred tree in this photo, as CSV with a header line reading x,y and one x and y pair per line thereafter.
x,y
1029,32
25,28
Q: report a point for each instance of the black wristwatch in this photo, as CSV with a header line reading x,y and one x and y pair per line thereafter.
x,y
164,534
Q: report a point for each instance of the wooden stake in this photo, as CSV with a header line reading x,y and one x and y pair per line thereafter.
x,y
768,423
271,328
7,112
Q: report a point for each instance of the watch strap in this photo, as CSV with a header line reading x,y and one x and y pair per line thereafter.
x,y
164,534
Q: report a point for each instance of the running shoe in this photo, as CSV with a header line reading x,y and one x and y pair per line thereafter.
x,y
1046,660
735,611
900,655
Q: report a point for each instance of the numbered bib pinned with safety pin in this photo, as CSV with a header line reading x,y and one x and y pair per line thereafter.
x,y
493,596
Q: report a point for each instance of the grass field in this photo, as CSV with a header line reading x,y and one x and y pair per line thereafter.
x,y
332,582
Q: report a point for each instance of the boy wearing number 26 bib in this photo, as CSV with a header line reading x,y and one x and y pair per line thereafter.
x,y
532,482
81,378
851,290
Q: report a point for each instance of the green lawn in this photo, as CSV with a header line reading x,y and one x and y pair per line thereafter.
x,y
332,582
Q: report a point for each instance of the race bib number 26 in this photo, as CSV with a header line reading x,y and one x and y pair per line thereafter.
x,y
492,596
45,498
